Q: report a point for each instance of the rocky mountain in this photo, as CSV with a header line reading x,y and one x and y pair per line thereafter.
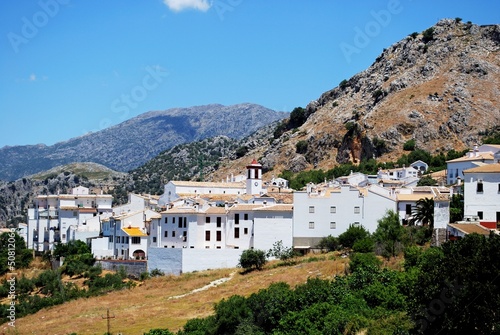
x,y
439,88
130,144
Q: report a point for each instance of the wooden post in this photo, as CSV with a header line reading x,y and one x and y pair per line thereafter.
x,y
108,318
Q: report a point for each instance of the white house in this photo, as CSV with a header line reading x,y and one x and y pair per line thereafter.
x,y
482,194
65,217
330,211
126,235
485,154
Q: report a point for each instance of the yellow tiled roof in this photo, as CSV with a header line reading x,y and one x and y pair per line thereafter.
x,y
134,231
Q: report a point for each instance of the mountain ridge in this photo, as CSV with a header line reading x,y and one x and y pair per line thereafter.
x,y
131,143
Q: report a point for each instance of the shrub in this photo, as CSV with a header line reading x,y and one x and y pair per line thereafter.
x,y
343,84
364,261
301,147
428,35
409,145
364,245
252,258
329,243
414,35
352,234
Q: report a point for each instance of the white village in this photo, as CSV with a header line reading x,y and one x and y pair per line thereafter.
x,y
195,226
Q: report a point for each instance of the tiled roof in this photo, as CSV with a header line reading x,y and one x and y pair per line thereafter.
x,y
216,210
488,168
179,211
208,184
134,231
469,228
413,196
245,207
276,208
480,156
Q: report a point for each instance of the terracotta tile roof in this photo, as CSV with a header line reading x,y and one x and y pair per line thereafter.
x,y
413,197
469,228
208,184
276,208
216,210
488,168
480,156
179,211
245,207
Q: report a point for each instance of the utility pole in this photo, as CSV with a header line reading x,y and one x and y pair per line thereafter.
x,y
108,318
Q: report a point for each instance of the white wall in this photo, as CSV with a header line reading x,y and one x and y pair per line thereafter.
x,y
271,227
488,201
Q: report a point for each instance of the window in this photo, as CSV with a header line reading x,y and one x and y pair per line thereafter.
x,y
480,214
185,222
173,219
356,209
333,225
207,219
219,222
236,218
207,235
173,233
110,238
236,232
180,222
166,219
408,209
311,225
498,188
218,236
311,209
245,231
245,216
75,213
356,224
166,233
479,187
136,240
154,239
333,209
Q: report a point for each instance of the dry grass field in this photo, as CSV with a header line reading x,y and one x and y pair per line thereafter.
x,y
153,303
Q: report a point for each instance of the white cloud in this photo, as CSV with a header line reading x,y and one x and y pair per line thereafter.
x,y
179,5
32,77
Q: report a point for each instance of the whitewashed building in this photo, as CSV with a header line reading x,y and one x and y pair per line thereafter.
x,y
482,155
482,194
64,217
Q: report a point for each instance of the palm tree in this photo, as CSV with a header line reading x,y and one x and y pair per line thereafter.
x,y
424,212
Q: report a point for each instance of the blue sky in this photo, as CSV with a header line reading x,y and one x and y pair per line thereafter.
x,y
68,67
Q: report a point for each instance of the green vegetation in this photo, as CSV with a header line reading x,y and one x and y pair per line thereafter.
x,y
448,290
424,212
301,147
297,118
48,289
13,252
389,233
428,35
409,145
414,35
252,259
343,84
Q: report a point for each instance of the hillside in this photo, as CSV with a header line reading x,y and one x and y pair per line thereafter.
x,y
157,303
439,88
131,143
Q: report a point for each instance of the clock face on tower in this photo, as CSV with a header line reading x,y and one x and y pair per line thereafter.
x,y
256,184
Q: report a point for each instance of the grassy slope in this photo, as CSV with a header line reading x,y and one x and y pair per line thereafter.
x,y
148,306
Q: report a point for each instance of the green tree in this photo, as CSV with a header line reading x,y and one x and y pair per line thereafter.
x,y
456,208
252,258
285,254
353,234
13,252
427,181
424,212
389,232
329,243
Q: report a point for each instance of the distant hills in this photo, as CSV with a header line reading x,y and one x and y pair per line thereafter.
x,y
130,144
